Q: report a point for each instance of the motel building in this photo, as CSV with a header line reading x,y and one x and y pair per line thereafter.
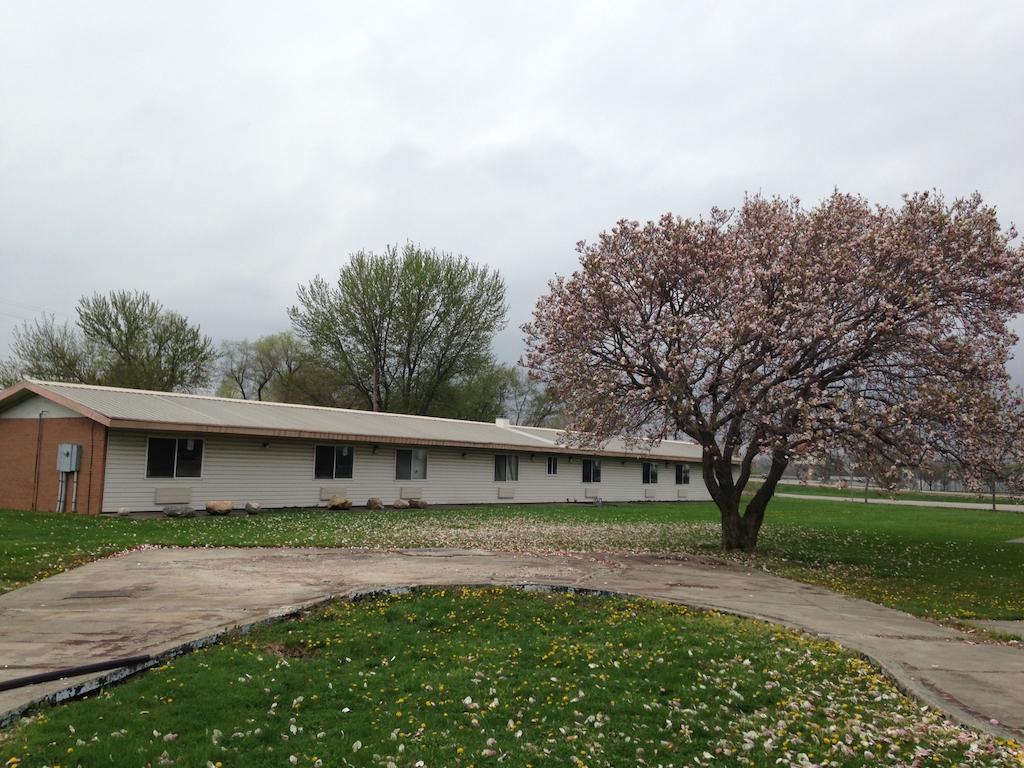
x,y
90,449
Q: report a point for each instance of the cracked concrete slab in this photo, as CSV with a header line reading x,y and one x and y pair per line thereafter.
x,y
162,601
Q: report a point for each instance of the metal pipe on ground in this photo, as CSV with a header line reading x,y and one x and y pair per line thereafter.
x,y
83,669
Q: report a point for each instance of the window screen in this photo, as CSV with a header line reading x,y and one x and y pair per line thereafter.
x,y
343,459
190,458
506,467
411,464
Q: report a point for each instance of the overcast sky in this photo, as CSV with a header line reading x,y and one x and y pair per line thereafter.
x,y
218,154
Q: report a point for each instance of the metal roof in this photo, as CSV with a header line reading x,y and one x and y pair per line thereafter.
x,y
171,411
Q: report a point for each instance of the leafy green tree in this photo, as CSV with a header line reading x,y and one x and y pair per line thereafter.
x,y
125,339
480,397
401,328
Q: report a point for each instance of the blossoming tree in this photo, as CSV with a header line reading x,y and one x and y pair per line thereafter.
x,y
780,330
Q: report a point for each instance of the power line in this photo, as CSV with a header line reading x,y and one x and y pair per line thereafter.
x,y
32,307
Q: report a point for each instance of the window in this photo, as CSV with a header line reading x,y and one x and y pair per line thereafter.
x,y
333,462
650,473
552,465
682,474
506,468
170,457
591,470
411,464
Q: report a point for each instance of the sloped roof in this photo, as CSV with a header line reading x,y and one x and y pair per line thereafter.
x,y
171,411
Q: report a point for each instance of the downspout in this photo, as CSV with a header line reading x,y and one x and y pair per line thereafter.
x,y
92,452
39,449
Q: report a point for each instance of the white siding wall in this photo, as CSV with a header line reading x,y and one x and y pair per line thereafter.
x,y
30,408
281,475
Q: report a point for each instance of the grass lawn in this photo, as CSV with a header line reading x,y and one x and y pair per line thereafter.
x,y
477,677
939,563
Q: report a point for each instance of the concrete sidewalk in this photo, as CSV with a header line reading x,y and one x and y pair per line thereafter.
x,y
157,600
1000,507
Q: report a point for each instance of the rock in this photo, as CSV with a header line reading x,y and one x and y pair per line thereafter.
x,y
400,504
219,507
179,510
252,507
374,502
123,512
417,503
338,502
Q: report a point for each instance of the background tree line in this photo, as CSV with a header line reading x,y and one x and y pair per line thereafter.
x,y
407,331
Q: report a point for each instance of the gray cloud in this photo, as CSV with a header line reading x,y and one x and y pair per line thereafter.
x,y
217,155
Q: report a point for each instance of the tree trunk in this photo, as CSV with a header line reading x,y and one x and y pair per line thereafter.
x,y
740,530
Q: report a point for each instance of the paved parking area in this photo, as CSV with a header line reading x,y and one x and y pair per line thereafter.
x,y
155,601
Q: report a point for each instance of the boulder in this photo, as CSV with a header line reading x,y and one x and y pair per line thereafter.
x,y
179,510
123,512
374,502
252,508
417,503
338,502
219,507
400,504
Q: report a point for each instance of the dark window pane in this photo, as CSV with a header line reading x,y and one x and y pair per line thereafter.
x,y
591,471
160,460
686,475
344,455
499,468
323,462
190,458
552,465
513,467
597,470
403,464
679,474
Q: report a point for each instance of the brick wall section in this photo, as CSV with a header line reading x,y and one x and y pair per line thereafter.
x,y
18,440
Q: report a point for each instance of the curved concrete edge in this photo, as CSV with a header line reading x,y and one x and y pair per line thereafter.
x,y
895,673
86,685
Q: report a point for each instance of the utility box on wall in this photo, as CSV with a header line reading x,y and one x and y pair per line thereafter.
x,y
69,457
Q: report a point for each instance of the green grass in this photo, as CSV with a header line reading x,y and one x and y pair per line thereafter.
x,y
938,563
482,677
857,493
